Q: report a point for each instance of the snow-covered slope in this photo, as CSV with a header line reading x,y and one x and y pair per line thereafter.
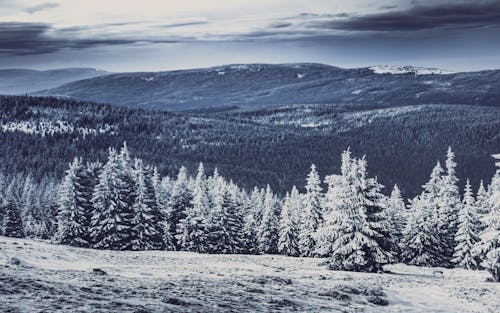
x,y
417,70
37,276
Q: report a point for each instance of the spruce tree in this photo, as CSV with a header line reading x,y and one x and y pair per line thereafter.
x,y
313,215
423,244
146,221
288,229
268,230
250,239
449,205
12,221
488,249
396,219
467,233
180,200
111,225
73,217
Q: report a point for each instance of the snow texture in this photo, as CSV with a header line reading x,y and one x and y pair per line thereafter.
x,y
37,276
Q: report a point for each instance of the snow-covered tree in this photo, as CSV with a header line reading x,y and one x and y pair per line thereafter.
x,y
268,230
226,223
488,249
201,199
482,200
449,205
467,233
180,200
250,240
396,219
12,221
356,226
422,243
288,229
73,217
146,221
313,215
111,224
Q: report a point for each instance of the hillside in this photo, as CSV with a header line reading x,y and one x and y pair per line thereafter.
x,y
22,81
276,146
264,85
159,281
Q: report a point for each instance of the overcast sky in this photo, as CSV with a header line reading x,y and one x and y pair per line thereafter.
x,y
149,35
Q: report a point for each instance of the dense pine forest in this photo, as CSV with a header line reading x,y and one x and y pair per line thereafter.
x,y
125,204
253,148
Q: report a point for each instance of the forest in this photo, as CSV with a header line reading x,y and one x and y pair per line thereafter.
x,y
274,146
125,204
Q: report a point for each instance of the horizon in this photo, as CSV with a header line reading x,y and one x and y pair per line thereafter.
x,y
123,36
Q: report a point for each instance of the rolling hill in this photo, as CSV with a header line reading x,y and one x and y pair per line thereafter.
x,y
22,81
249,86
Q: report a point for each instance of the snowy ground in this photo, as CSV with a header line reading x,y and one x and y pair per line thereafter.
x,y
52,278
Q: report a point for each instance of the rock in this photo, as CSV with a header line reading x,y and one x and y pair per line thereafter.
x,y
15,261
99,272
377,301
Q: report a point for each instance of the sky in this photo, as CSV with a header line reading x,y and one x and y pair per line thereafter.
x,y
154,35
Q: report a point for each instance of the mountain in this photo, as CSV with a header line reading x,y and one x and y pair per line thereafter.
x,y
273,146
263,85
22,81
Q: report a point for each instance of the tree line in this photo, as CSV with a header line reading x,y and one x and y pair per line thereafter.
x,y
125,204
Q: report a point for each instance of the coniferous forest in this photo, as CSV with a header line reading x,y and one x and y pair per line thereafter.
x,y
125,204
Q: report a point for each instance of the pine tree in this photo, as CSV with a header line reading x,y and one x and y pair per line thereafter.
x,y
488,249
180,200
226,223
313,216
250,240
73,217
467,233
396,218
268,230
423,245
288,230
111,225
147,231
449,205
12,221
201,200
356,226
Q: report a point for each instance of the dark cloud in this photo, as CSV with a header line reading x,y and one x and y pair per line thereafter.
x,y
450,15
34,38
280,25
41,7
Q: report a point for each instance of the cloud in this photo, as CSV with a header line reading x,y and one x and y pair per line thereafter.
x,y
182,24
35,38
41,7
418,17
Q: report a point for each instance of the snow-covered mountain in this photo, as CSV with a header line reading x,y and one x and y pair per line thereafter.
x,y
72,279
250,86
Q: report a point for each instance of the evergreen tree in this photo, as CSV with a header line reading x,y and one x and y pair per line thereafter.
x,y
268,230
356,226
73,217
146,221
180,200
250,240
288,230
423,245
201,199
467,233
12,221
111,225
396,219
226,223
313,216
449,205
488,249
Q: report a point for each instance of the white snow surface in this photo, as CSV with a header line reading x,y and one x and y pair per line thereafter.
x,y
56,278
390,69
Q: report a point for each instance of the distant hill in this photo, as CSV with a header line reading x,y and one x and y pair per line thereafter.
x,y
263,85
22,81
